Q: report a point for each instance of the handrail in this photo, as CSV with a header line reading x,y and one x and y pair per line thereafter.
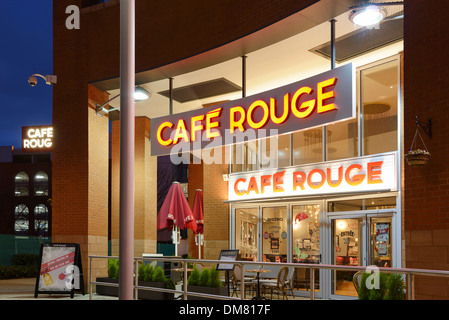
x,y
410,273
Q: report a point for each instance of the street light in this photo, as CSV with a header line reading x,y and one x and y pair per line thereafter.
x,y
49,79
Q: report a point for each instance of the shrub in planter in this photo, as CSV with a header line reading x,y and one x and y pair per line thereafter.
x,y
113,266
207,281
391,287
395,287
194,278
157,279
113,273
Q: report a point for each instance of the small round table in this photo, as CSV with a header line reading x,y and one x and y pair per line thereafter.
x,y
258,272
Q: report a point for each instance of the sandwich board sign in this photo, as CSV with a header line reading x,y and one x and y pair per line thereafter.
x,y
60,270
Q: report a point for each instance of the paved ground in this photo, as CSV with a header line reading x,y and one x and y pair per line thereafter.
x,y
23,289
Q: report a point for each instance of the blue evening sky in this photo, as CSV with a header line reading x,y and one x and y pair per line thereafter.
x,y
26,30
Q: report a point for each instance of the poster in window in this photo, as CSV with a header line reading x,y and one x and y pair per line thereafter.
x,y
382,248
382,232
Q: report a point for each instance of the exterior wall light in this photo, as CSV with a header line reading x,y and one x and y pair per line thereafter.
x,y
370,13
367,16
140,94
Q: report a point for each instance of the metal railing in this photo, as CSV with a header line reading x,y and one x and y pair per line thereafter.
x,y
409,273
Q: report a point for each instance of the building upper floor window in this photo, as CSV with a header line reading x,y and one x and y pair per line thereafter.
x,y
21,220
41,220
21,182
41,184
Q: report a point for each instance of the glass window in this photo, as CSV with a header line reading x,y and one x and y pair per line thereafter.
x,y
362,204
246,233
306,233
250,149
41,184
21,182
274,234
21,220
307,146
41,220
275,151
379,89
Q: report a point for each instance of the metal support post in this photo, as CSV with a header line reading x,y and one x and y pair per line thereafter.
x,y
127,125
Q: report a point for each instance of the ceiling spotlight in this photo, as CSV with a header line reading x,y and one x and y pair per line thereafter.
x,y
141,94
367,15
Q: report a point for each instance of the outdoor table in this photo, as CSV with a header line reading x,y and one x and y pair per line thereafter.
x,y
258,272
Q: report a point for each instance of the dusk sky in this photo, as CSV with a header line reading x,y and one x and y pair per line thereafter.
x,y
26,30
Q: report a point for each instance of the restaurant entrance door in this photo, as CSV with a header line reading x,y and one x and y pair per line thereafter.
x,y
359,239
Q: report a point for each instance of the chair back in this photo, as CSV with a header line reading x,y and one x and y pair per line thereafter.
x,y
356,280
282,276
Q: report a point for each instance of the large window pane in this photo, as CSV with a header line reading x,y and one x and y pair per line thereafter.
x,y
274,232
275,151
379,87
246,233
307,146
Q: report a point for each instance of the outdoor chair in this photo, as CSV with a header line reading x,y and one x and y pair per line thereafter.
x,y
280,286
291,272
356,279
235,281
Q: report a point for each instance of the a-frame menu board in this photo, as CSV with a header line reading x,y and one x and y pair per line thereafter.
x,y
60,269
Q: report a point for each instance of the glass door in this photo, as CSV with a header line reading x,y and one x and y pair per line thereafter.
x,y
348,250
381,241
359,239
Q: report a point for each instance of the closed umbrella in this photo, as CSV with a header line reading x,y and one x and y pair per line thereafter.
x,y
175,213
198,216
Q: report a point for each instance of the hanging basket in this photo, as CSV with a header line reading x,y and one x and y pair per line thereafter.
x,y
417,158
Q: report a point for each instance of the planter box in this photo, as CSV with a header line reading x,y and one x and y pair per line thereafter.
x,y
142,294
221,291
153,295
106,290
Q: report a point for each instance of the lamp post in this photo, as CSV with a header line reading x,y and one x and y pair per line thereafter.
x,y
127,124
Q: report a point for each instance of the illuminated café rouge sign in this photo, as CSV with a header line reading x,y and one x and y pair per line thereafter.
x,y
365,174
322,99
37,139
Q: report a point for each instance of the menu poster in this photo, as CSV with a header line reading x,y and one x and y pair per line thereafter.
x,y
382,232
60,269
227,255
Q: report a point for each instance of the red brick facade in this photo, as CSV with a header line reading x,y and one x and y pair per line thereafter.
x,y
426,79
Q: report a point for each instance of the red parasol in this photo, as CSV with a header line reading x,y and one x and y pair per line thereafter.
x,y
198,210
198,215
176,211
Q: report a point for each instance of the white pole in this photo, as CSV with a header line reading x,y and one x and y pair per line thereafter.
x,y
127,118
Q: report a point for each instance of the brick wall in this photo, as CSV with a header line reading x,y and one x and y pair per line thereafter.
x,y
145,199
426,79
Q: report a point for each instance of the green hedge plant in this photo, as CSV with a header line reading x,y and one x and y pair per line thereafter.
x,y
391,287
